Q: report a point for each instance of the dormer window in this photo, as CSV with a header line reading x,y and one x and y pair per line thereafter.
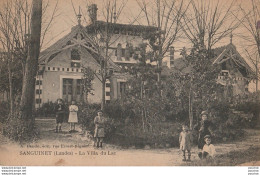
x,y
75,55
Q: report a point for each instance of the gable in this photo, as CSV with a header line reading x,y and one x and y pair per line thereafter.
x,y
77,38
230,55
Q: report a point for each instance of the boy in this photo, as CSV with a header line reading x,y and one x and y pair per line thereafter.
x,y
208,149
185,141
60,110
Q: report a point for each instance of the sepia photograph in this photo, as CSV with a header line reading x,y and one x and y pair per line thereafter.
x,y
129,83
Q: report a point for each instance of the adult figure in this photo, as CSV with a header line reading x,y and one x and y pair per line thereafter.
x,y
204,128
99,134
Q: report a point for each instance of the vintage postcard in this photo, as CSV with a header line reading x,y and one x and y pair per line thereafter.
x,y
129,83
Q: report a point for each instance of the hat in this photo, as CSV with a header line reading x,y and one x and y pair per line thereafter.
x,y
207,137
204,113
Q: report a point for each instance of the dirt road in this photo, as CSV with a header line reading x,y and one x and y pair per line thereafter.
x,y
77,149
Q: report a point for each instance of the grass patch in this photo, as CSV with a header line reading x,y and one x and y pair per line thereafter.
x,y
232,158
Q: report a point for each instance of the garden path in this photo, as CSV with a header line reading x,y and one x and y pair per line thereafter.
x,y
166,157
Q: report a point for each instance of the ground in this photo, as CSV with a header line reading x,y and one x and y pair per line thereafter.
x,y
86,154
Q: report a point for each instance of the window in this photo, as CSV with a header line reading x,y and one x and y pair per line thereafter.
x,y
75,64
107,84
38,91
122,88
224,66
53,68
79,87
107,93
67,86
38,82
62,69
38,101
75,54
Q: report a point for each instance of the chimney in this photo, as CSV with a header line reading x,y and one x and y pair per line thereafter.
x,y
92,12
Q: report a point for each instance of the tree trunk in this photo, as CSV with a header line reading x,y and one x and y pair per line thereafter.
x,y
190,107
31,66
10,77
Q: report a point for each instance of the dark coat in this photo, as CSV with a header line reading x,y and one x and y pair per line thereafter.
x,y
204,129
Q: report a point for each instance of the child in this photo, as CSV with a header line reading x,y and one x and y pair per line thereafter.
x,y
185,140
73,118
60,110
204,129
99,134
208,149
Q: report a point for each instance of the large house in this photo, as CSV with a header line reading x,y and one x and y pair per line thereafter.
x,y
235,74
61,65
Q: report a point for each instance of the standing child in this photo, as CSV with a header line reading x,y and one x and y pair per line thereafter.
x,y
73,117
99,134
204,128
60,111
185,141
208,149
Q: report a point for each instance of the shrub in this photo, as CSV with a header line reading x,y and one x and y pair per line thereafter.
x,y
19,129
4,111
48,110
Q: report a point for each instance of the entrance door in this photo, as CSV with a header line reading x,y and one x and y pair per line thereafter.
x,y
72,90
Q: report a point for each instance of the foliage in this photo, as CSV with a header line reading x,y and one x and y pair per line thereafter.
x,y
4,111
88,77
19,130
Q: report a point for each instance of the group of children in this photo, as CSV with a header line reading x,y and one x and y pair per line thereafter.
x,y
206,149
60,111
99,121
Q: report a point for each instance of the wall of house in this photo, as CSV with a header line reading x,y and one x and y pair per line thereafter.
x,y
52,86
60,67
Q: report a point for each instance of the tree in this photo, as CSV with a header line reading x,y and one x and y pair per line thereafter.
x,y
88,77
207,23
199,84
15,28
250,22
166,16
31,65
103,37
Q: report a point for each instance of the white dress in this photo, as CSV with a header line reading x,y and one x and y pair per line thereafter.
x,y
73,117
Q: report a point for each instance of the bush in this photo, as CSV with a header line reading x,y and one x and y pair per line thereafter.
x,y
48,110
250,108
19,129
4,111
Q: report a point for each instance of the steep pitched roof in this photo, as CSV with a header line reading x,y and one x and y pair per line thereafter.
x,y
230,52
222,54
77,37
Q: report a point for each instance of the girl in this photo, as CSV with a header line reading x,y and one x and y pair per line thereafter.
x,y
99,134
185,141
73,118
